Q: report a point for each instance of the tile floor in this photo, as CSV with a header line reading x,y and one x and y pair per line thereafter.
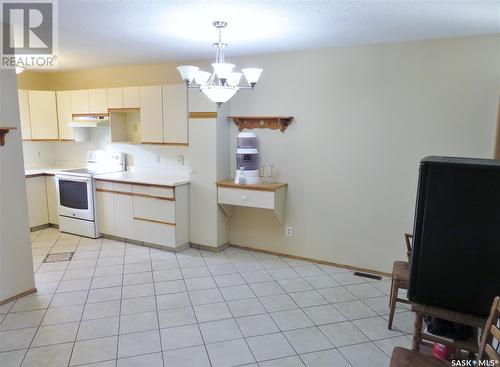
x,y
118,304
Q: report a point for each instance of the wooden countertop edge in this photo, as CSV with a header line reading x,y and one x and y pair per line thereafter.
x,y
30,175
138,183
266,186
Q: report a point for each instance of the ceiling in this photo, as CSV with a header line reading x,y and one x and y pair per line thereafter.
x,y
99,33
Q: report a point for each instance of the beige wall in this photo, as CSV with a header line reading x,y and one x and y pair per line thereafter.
x,y
16,263
364,117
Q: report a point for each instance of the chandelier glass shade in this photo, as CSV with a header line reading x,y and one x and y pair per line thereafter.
x,y
223,83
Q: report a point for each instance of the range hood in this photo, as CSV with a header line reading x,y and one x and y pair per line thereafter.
x,y
90,120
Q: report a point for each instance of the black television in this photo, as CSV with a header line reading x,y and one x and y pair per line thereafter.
x,y
455,261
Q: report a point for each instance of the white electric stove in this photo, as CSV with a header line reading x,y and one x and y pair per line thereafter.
x,y
76,192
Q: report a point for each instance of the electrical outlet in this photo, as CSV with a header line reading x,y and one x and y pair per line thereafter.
x,y
288,231
157,159
180,160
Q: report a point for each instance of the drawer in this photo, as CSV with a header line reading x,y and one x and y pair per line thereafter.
x,y
122,187
245,197
154,209
104,185
163,192
155,233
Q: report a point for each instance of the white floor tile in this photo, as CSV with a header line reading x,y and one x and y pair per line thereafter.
x,y
49,356
230,353
187,357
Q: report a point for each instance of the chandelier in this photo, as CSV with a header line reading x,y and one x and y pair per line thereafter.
x,y
220,85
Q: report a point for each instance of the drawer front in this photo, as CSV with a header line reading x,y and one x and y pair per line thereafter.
x,y
242,197
163,192
122,187
155,233
154,209
104,185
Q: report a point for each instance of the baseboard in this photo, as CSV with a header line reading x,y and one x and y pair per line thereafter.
x,y
322,262
210,248
38,228
147,244
17,296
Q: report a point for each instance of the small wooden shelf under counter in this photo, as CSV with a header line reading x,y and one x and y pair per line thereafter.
x,y
267,195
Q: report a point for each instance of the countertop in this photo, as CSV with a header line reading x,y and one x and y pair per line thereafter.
x,y
146,178
264,186
51,170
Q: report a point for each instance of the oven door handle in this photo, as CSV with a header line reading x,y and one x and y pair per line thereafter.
x,y
74,178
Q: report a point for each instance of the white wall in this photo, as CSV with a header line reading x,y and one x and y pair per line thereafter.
x,y
16,263
364,117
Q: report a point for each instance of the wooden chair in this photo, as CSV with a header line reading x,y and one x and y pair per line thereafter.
x,y
400,276
402,357
491,332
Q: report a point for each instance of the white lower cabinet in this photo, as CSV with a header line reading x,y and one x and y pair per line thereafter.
x,y
105,207
155,233
37,201
156,215
124,210
52,199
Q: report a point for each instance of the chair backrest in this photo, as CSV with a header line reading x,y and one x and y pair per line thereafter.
x,y
491,332
408,238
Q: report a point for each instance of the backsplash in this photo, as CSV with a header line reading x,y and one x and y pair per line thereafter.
x,y
140,157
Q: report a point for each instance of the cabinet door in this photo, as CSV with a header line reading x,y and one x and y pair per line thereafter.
x,y
155,233
24,111
151,114
80,101
131,97
52,199
175,118
43,113
105,212
198,102
98,101
37,201
154,209
64,115
124,210
115,98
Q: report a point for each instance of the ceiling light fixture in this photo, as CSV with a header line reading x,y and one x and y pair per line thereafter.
x,y
222,84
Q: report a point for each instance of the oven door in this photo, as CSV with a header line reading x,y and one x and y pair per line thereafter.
x,y
76,197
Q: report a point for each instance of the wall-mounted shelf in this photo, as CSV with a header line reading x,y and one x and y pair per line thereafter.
x,y
262,122
3,132
265,196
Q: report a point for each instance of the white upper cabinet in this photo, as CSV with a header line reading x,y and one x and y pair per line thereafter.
x,y
24,111
115,98
80,102
151,114
98,101
131,97
175,114
198,102
64,115
43,113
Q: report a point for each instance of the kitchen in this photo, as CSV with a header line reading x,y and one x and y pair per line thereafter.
x,y
159,209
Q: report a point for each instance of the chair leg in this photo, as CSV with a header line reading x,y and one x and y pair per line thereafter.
x,y
392,304
417,333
